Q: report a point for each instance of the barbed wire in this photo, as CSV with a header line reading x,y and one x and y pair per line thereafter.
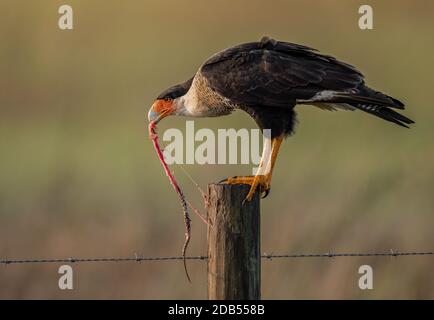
x,y
267,256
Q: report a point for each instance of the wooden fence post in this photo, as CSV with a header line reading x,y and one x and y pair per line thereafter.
x,y
234,256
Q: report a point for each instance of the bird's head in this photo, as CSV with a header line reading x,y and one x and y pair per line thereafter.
x,y
169,102
160,109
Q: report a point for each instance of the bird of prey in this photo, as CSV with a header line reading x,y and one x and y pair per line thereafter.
x,y
268,79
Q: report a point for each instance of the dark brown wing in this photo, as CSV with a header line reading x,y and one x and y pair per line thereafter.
x,y
272,73
277,74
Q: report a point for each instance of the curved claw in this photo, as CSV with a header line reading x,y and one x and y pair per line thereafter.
x,y
225,180
265,193
237,180
255,182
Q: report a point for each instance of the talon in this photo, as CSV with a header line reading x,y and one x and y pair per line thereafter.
x,y
248,198
228,180
255,184
261,181
265,193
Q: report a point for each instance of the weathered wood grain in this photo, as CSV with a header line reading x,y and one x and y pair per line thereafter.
x,y
234,259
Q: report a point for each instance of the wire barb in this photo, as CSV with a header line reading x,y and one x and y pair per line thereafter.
x,y
137,258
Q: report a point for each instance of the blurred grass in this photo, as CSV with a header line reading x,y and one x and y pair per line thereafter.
x,y
79,178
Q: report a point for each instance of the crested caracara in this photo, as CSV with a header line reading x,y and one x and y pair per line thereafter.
x,y
267,79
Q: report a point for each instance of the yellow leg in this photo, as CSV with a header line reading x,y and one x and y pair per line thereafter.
x,y
274,151
263,180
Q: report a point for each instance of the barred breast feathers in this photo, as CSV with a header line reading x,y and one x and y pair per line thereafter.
x,y
202,101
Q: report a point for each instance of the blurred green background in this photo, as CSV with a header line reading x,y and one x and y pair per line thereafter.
x,y
78,176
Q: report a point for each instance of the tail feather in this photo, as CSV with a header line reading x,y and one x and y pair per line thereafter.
x,y
365,99
377,104
385,113
374,98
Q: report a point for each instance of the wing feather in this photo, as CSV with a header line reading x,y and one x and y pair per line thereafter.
x,y
272,73
276,74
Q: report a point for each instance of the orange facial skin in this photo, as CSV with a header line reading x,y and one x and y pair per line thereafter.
x,y
160,109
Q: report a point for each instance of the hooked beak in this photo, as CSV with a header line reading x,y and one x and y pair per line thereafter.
x,y
160,109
